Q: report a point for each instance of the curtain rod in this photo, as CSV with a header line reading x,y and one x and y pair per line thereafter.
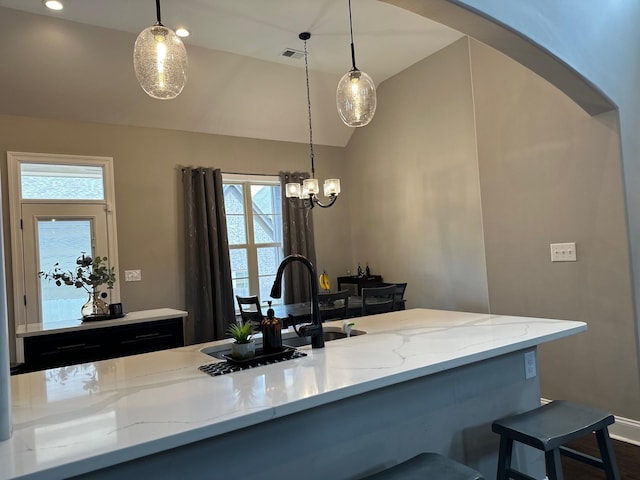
x,y
238,173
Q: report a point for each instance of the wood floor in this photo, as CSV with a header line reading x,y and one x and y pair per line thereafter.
x,y
627,458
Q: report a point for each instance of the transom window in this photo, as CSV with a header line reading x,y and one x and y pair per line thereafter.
x,y
253,207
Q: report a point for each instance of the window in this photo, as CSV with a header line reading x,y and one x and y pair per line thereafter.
x,y
61,206
254,228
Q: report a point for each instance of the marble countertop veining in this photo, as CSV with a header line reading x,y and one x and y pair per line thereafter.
x,y
75,419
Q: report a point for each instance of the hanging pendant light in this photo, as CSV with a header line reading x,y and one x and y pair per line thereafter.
x,y
356,92
160,61
309,189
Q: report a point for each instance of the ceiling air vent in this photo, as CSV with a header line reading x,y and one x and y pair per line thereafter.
x,y
291,53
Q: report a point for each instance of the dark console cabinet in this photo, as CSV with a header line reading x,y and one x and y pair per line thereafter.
x,y
72,347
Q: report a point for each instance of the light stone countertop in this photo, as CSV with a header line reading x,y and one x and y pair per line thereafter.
x,y
71,420
73,325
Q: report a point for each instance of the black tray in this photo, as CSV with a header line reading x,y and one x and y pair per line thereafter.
x,y
95,318
260,357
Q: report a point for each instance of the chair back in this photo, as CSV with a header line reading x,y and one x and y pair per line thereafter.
x,y
399,296
333,306
250,309
378,299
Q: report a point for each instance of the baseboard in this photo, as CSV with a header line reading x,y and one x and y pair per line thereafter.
x,y
625,429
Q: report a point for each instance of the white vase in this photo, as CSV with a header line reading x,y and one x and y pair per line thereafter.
x,y
243,351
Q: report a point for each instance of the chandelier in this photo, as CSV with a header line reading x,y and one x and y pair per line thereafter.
x,y
309,189
160,61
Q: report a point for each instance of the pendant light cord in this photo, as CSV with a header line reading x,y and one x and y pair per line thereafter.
x,y
306,69
353,50
159,22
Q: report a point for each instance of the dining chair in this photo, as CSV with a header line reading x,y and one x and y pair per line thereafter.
x,y
378,299
399,296
333,306
250,309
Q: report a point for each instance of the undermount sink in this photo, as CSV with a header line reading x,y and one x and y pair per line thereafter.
x,y
329,333
289,339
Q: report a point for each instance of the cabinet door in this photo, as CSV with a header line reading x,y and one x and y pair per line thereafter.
x,y
49,351
148,337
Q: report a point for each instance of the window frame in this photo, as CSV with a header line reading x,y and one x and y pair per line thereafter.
x,y
14,161
246,181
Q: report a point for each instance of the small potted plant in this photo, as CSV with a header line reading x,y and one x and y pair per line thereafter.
x,y
242,332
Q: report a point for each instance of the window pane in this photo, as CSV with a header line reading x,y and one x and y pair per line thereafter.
x,y
266,283
268,260
266,209
239,265
235,230
62,242
240,288
233,199
61,182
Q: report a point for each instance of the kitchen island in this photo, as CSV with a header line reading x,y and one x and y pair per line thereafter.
x,y
417,380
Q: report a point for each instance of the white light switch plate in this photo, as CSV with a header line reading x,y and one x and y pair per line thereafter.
x,y
563,252
132,275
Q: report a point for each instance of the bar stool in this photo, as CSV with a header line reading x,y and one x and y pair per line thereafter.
x,y
427,466
549,428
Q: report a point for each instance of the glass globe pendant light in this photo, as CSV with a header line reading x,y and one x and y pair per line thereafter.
x,y
160,61
356,92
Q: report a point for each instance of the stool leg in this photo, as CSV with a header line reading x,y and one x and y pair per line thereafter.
x,y
504,457
554,464
607,455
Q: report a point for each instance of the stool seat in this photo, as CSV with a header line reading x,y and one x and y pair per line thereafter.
x,y
549,428
428,466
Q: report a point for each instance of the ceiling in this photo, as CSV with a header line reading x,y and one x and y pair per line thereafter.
x,y
238,82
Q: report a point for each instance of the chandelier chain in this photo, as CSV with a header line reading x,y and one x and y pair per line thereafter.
x,y
306,69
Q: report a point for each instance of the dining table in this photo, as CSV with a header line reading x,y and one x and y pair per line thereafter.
x,y
301,312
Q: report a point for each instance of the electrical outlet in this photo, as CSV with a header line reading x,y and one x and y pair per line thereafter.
x,y
563,252
530,369
132,275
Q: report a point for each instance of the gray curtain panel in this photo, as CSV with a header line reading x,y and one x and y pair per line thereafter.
x,y
209,290
297,231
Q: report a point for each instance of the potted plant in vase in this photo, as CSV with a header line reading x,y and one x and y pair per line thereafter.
x,y
89,274
242,332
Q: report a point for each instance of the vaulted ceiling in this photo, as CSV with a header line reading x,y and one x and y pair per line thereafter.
x,y
77,63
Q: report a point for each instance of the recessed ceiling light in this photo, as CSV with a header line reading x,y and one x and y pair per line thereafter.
x,y
182,32
53,4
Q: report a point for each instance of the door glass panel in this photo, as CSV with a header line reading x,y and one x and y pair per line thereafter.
x,y
61,182
62,242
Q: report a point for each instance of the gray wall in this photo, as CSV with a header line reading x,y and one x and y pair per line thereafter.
x,y
551,173
416,216
543,171
149,194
